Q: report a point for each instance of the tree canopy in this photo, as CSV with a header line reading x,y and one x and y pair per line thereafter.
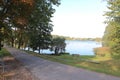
x,y
58,45
111,36
24,22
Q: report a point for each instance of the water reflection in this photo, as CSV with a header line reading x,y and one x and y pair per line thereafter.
x,y
82,47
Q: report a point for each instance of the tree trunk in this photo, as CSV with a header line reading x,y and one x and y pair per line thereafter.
x,y
0,44
0,38
12,42
20,41
19,44
39,50
56,51
28,48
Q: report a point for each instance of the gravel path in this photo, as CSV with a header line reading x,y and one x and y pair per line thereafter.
x,y
48,70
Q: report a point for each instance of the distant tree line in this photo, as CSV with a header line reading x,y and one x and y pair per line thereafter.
x,y
82,39
27,23
111,36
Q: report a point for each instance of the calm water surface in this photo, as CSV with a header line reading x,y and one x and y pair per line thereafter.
x,y
79,47
82,47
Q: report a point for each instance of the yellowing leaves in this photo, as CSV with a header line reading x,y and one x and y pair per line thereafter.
x,y
30,2
21,21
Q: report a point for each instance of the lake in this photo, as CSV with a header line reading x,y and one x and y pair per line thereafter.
x,y
82,47
79,47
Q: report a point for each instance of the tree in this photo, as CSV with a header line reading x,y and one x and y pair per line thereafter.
x,y
40,37
40,26
14,11
112,33
26,15
58,45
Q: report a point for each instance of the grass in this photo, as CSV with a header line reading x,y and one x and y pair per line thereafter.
x,y
4,53
106,65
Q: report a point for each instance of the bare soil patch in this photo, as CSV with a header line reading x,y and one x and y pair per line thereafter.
x,y
14,70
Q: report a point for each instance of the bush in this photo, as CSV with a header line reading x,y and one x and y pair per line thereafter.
x,y
65,53
102,51
76,55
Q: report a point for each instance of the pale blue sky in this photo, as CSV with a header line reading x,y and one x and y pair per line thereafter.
x,y
80,18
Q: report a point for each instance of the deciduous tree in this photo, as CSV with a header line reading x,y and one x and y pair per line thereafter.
x,y
112,33
58,45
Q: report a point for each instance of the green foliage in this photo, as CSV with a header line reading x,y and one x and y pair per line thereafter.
x,y
27,23
82,39
40,38
40,26
58,45
14,12
111,37
65,53
110,34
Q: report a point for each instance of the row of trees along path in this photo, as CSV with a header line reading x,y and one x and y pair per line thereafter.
x,y
26,23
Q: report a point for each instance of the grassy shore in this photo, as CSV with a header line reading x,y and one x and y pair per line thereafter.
x,y
105,65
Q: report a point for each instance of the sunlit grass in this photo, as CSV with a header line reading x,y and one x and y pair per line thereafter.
x,y
106,64
99,58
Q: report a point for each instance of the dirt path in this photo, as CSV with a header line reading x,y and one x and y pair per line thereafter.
x,y
48,70
14,70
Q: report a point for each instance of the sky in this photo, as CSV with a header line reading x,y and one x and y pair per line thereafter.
x,y
80,18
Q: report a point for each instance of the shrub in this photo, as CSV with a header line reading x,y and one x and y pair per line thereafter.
x,y
102,51
76,55
65,53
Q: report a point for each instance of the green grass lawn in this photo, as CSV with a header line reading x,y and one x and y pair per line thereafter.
x,y
106,65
